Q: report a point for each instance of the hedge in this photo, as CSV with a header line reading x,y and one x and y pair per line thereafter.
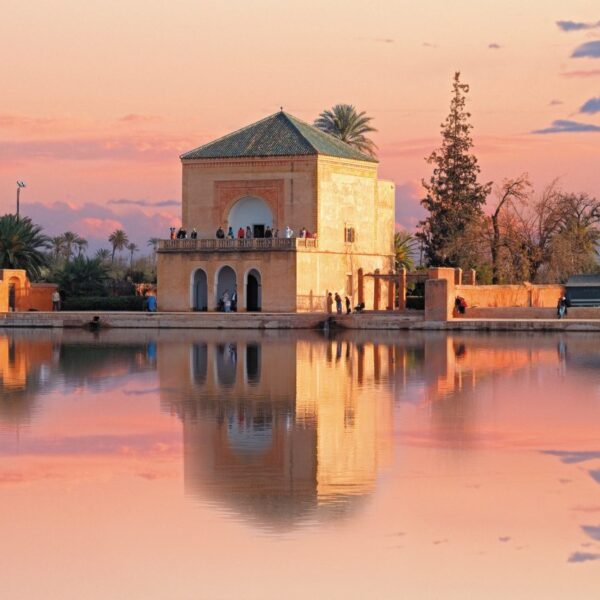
x,y
103,303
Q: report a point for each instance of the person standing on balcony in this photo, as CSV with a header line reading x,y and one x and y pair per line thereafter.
x,y
172,232
268,232
248,233
221,234
303,232
230,233
194,234
240,233
289,232
276,233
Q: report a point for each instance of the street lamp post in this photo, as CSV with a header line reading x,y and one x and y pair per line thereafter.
x,y
20,184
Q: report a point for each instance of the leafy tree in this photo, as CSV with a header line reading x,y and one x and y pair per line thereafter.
x,y
22,245
82,277
119,241
350,126
404,247
454,197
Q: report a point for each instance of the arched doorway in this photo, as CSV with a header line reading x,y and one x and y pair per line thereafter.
x,y
252,212
200,291
253,291
13,293
226,282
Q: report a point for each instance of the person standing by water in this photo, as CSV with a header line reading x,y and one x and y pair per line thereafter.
x,y
338,303
348,306
561,307
329,303
55,301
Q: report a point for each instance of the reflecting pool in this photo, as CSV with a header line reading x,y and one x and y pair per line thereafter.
x,y
259,465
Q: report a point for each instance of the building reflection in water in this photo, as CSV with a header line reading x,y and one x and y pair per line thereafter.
x,y
282,429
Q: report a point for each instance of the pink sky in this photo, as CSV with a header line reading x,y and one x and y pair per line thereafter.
x,y
100,98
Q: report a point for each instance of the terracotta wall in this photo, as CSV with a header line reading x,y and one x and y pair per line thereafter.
x,y
488,296
28,296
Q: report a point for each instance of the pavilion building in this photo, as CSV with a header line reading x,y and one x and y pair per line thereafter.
x,y
277,173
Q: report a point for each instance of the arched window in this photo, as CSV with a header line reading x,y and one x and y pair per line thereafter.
x,y
251,212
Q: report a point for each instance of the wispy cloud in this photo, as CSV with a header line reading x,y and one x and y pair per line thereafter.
x,y
566,126
576,25
429,45
494,46
578,557
133,118
582,74
145,203
591,107
572,457
556,102
147,147
587,50
592,531
385,40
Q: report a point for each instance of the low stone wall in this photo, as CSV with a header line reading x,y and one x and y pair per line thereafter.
x,y
509,296
524,312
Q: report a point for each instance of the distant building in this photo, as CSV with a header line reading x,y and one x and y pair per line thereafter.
x,y
279,172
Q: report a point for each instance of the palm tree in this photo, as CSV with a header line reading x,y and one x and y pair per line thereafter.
x,y
132,248
22,244
83,277
404,247
81,244
343,122
71,239
103,255
154,243
57,245
119,240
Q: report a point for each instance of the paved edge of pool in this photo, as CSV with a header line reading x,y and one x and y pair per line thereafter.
x,y
381,320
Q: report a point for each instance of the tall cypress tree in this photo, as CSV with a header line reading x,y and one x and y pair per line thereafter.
x,y
454,196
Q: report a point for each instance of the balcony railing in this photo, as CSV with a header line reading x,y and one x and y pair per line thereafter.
x,y
248,245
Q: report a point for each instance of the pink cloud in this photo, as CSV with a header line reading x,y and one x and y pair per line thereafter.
x,y
140,147
582,74
135,119
96,222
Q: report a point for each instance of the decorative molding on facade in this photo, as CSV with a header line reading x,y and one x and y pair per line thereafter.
x,y
228,192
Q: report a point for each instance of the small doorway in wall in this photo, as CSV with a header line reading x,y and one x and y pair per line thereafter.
x,y
258,231
253,292
12,297
200,291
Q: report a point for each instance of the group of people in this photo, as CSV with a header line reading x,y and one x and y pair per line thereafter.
x,y
182,234
242,233
337,299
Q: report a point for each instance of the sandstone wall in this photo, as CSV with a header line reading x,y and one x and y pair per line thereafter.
x,y
487,296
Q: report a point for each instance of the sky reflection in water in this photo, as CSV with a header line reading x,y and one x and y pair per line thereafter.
x,y
272,464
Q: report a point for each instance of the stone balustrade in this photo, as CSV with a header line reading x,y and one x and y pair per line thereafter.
x,y
236,245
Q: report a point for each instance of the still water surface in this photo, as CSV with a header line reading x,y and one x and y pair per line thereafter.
x,y
249,465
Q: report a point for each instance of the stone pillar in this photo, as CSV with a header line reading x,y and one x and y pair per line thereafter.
x,y
469,277
376,291
361,286
402,289
391,288
439,294
457,276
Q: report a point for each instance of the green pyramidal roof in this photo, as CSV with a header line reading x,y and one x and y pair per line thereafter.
x,y
277,135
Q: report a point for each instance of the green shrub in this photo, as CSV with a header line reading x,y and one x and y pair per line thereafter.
x,y
104,303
